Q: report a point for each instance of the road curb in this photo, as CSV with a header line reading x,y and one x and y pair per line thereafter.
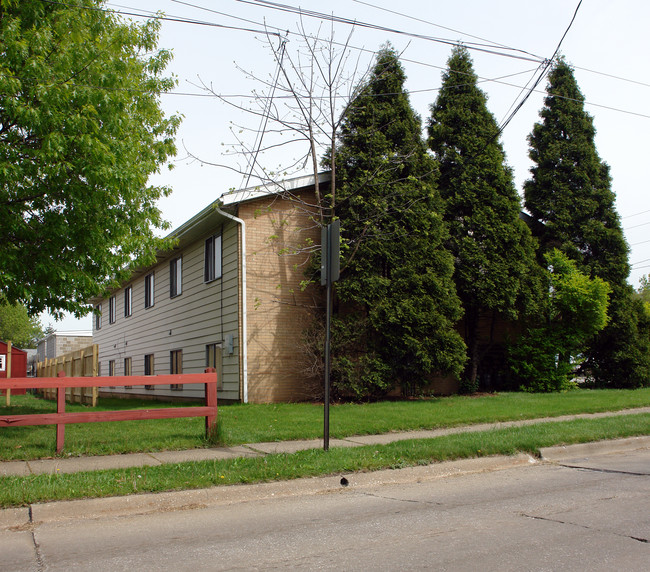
x,y
581,450
134,505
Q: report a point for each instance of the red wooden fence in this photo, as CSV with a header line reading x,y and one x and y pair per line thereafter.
x,y
61,418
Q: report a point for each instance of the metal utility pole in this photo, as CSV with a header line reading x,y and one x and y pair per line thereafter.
x,y
329,273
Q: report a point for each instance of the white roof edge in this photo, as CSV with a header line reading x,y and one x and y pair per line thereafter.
x,y
235,197
230,198
271,188
68,333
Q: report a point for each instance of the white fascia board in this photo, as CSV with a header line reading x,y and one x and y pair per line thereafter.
x,y
265,189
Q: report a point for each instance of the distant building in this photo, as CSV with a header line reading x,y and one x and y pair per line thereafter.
x,y
60,343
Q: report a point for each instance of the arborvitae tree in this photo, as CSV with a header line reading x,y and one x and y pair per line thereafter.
x,y
396,301
570,193
492,247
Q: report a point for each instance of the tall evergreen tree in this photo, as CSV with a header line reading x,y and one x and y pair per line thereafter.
x,y
397,304
493,249
570,193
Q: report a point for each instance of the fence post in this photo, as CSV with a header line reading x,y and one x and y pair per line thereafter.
x,y
8,391
60,408
210,401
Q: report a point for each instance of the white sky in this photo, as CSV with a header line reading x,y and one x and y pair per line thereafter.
x,y
610,38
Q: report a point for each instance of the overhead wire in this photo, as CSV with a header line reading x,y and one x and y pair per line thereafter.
x,y
543,71
278,31
361,24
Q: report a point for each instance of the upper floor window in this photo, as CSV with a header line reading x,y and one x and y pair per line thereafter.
x,y
128,301
148,290
98,317
111,310
175,277
212,269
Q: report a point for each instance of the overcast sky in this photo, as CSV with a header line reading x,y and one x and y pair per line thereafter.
x,y
608,44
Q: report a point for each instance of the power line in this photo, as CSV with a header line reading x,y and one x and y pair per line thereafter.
x,y
278,31
613,76
543,70
149,15
636,214
361,24
637,226
444,27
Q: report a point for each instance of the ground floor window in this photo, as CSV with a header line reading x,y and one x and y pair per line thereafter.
x,y
213,359
128,370
148,368
176,366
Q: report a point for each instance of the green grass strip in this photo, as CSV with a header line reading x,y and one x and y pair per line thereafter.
x,y
20,491
253,423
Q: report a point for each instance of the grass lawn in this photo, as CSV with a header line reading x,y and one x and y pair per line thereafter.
x,y
248,423
19,491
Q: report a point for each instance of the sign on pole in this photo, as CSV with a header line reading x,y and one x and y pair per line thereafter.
x,y
330,263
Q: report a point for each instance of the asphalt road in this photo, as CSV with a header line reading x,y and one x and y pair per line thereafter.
x,y
579,514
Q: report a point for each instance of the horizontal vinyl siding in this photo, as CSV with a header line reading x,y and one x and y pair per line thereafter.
x,y
204,313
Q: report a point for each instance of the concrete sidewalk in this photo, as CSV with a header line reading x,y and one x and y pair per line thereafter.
x,y
79,464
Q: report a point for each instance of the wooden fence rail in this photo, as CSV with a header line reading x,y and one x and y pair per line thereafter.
x,y
61,418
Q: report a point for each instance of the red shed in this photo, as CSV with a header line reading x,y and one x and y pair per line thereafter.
x,y
18,364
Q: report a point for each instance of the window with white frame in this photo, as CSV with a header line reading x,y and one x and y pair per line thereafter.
x,y
175,277
149,290
128,301
98,317
212,269
111,310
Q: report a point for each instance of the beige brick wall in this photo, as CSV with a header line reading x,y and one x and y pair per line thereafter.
x,y
278,310
66,344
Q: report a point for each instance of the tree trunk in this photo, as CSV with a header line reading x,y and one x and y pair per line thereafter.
x,y
472,342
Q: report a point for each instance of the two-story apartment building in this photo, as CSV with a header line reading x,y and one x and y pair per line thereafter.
x,y
227,296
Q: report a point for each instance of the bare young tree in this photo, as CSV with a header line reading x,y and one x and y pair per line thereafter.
x,y
299,107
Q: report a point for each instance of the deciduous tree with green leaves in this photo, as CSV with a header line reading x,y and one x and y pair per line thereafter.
x,y
17,326
81,131
569,192
494,252
546,356
396,301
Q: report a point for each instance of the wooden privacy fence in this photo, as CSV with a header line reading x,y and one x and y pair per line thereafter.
x,y
80,363
61,418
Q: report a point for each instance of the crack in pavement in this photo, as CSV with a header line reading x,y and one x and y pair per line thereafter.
x,y
414,501
586,527
40,562
597,470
